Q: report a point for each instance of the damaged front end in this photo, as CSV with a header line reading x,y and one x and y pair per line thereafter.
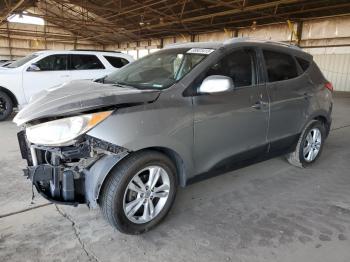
x,y
70,174
64,163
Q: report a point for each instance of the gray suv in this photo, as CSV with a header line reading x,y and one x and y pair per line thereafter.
x,y
125,142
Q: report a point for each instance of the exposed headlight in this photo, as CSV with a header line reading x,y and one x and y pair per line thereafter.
x,y
63,131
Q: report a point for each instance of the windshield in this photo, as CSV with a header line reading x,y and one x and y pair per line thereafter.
x,y
22,61
159,70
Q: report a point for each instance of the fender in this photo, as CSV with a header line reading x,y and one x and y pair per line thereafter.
x,y
320,114
95,176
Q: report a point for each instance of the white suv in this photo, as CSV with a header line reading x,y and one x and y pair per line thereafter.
x,y
22,79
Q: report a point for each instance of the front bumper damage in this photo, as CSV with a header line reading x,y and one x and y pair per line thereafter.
x,y
73,174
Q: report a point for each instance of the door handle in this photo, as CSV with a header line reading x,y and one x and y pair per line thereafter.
x,y
64,75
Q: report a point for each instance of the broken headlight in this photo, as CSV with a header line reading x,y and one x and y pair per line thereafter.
x,y
63,131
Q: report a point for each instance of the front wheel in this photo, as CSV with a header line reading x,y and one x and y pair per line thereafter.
x,y
6,106
309,146
139,192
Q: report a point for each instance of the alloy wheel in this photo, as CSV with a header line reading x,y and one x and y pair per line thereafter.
x,y
146,194
312,144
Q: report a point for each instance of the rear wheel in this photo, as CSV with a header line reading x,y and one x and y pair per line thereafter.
x,y
6,106
309,146
139,192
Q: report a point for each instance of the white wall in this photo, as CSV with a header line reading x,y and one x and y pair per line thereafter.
x,y
336,68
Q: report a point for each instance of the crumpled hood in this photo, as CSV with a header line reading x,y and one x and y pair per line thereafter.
x,y
79,96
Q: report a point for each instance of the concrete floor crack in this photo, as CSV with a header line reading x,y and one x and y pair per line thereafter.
x,y
341,127
24,210
90,255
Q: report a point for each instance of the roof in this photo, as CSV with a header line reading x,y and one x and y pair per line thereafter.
x,y
236,40
80,52
243,41
212,45
110,22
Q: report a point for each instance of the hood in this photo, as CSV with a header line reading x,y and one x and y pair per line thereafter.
x,y
79,96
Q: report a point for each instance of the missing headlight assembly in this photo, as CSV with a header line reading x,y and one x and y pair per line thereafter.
x,y
63,174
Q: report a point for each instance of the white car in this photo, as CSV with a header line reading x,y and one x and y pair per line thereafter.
x,y
22,79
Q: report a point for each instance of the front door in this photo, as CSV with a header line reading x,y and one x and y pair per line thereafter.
x,y
50,71
231,126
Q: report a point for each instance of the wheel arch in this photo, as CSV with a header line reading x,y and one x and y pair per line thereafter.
x,y
97,175
321,115
11,95
176,159
325,121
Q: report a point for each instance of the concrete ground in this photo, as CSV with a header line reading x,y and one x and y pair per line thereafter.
x,y
269,211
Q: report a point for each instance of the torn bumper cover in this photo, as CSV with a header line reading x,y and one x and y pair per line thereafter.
x,y
70,175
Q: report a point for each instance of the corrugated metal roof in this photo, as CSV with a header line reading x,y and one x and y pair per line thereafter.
x,y
129,20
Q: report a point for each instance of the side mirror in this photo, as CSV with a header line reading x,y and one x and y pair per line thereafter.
x,y
33,68
216,84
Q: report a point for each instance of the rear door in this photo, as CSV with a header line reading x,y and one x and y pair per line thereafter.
x,y
86,67
51,71
231,126
288,92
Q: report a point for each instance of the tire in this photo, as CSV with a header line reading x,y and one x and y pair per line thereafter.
x,y
6,106
301,159
116,195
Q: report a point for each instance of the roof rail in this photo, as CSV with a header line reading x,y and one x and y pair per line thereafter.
x,y
250,39
283,44
92,50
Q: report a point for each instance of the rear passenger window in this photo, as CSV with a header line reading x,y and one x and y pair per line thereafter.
x,y
85,62
304,64
279,66
238,65
117,62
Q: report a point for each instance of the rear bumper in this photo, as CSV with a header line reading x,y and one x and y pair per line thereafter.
x,y
68,175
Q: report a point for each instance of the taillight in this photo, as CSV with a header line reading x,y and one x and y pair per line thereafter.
x,y
329,86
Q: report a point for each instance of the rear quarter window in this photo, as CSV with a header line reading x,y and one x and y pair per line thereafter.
x,y
116,62
304,64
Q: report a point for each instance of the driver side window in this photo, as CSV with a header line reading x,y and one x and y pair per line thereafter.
x,y
53,63
238,65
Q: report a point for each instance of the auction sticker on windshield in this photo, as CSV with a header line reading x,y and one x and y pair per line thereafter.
x,y
203,51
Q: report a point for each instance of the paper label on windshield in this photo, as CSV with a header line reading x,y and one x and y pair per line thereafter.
x,y
202,51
